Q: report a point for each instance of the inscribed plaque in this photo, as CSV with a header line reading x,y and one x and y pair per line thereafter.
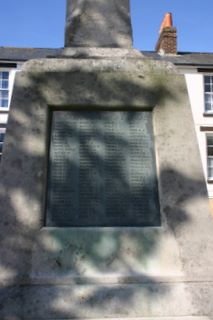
x,y
102,170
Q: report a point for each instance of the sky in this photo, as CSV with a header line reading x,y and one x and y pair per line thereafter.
x,y
40,23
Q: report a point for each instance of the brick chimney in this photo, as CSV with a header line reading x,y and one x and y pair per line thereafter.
x,y
167,42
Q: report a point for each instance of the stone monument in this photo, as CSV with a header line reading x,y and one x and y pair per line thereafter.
x,y
98,23
104,209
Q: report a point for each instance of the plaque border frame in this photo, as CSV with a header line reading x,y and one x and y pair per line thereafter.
x,y
51,110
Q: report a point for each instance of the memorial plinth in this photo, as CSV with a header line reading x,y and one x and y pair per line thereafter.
x,y
94,272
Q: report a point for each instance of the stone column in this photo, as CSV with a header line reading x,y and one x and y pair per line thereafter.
x,y
98,23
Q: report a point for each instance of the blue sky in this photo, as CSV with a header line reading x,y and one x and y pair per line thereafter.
x,y
40,23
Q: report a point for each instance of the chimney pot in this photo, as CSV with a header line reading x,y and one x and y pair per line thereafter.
x,y
167,41
167,21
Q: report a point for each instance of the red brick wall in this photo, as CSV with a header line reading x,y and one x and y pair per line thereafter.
x,y
167,41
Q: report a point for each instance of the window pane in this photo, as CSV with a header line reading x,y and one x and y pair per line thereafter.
x,y
2,134
210,173
4,103
207,88
208,101
210,151
210,161
210,140
208,106
207,97
207,79
4,94
4,84
5,75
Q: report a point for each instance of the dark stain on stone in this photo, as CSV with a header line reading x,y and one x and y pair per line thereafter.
x,y
58,262
167,210
17,164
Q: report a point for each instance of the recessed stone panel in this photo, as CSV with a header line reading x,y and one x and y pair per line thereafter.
x,y
102,169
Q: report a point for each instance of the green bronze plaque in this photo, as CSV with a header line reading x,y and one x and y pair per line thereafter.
x,y
102,170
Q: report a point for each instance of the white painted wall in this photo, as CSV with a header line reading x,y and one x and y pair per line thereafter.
x,y
195,85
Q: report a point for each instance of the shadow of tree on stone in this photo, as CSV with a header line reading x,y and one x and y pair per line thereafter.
x,y
105,271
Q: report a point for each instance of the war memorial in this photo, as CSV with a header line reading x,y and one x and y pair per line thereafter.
x,y
104,208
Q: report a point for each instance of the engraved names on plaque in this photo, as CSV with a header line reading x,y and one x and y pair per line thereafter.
x,y
102,170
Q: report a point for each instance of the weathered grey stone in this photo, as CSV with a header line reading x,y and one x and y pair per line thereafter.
x,y
122,272
98,23
111,301
105,254
103,53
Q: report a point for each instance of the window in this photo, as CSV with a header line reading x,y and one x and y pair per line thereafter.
x,y
4,89
208,92
210,157
2,135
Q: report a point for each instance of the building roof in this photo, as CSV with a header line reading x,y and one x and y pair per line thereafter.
x,y
24,54
182,58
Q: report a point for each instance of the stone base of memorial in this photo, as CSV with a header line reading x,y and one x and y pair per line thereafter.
x,y
104,210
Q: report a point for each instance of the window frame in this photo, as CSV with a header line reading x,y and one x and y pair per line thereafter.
x,y
10,86
2,130
210,93
209,178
